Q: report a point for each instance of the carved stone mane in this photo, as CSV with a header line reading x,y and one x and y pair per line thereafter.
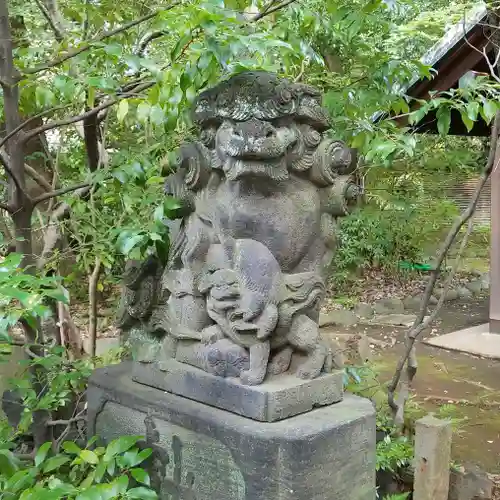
x,y
262,96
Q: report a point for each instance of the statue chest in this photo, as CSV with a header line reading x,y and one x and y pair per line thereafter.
x,y
286,221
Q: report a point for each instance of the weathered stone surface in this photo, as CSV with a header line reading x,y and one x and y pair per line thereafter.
x,y
103,345
395,320
433,301
413,303
11,369
260,194
475,286
341,317
470,483
358,350
450,295
464,293
485,281
389,306
364,311
279,397
432,458
205,453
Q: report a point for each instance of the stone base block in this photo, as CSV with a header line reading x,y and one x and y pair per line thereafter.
x,y
277,398
206,453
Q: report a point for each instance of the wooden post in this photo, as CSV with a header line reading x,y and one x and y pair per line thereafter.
x,y
432,459
495,247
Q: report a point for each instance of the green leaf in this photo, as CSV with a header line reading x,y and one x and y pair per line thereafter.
x,y
417,115
21,480
99,472
88,481
113,49
488,110
9,464
60,295
71,448
151,66
155,179
472,110
61,488
91,97
185,81
89,457
121,484
179,46
467,120
120,445
383,149
143,111
92,493
171,203
145,454
111,467
15,293
41,454
466,80
143,493
159,214
44,97
128,459
54,463
191,94
131,243
141,476
444,120
157,115
122,110
155,237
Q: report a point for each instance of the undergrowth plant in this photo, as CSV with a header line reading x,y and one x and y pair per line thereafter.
x,y
75,473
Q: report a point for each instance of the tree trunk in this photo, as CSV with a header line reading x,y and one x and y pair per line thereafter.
x,y
19,201
93,280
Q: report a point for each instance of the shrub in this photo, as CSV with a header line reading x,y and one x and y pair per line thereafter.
x,y
75,473
373,237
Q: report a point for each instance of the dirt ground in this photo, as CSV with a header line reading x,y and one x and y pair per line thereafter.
x,y
470,383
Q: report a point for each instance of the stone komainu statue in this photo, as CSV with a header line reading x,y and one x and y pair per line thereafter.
x,y
260,194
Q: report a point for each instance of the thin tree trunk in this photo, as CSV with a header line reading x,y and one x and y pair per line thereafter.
x,y
93,281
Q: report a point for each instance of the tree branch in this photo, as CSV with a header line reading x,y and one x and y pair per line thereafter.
x,y
39,179
4,206
68,121
270,10
107,34
421,323
58,32
483,52
53,234
147,40
29,120
80,417
6,165
59,192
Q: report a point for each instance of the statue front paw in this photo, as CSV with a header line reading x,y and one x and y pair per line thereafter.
x,y
249,377
305,373
216,362
211,334
280,362
311,368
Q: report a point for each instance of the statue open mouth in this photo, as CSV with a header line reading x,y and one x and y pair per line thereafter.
x,y
272,169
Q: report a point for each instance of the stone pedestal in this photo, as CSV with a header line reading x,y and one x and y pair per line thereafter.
x,y
277,398
325,454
